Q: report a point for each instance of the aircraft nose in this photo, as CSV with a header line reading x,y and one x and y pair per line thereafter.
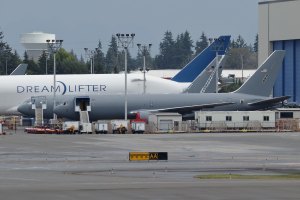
x,y
25,109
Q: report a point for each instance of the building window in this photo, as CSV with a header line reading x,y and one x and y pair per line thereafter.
x,y
266,118
245,118
286,115
228,118
208,118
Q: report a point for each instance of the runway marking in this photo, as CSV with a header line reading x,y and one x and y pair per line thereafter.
x,y
18,179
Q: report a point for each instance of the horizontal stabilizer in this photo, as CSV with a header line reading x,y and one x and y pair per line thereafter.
x,y
189,109
269,102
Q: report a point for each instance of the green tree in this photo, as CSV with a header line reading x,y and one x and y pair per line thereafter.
x,y
33,67
240,55
167,50
239,58
255,47
240,42
43,61
111,64
202,44
231,87
67,63
183,50
8,60
232,44
99,60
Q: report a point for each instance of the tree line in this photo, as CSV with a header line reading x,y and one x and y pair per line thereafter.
x,y
174,53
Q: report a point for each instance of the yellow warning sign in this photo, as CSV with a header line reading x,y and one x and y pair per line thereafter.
x,y
138,156
135,156
153,156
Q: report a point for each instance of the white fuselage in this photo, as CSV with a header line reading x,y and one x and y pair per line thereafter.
x,y
15,90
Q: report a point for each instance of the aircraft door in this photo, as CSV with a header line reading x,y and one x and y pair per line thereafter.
x,y
82,104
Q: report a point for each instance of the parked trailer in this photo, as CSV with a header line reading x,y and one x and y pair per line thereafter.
x,y
71,127
43,130
85,127
119,126
138,126
101,127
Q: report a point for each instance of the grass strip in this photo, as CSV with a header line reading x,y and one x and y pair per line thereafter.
x,y
252,177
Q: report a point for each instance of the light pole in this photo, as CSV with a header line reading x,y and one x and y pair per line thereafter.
x,y
144,49
6,65
46,57
124,40
53,47
90,54
242,61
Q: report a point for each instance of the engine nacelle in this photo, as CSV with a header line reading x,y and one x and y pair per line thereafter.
x,y
143,115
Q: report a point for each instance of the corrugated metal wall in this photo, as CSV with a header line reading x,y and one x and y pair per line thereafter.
x,y
288,81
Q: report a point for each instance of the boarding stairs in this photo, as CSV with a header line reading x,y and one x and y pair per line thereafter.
x,y
84,116
39,117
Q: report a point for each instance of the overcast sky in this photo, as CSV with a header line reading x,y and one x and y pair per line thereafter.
x,y
82,23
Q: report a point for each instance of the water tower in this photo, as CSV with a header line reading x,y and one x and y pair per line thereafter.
x,y
35,43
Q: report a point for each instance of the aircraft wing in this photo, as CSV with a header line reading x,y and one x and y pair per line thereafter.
x,y
269,102
189,109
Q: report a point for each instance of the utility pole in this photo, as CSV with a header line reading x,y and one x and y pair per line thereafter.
x,y
242,61
53,47
144,49
91,54
46,57
124,40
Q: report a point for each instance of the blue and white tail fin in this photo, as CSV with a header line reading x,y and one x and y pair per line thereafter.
x,y
190,72
206,81
261,83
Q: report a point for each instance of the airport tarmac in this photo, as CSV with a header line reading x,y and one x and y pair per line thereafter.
x,y
97,167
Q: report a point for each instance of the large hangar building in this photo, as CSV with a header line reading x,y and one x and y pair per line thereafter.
x,y
279,29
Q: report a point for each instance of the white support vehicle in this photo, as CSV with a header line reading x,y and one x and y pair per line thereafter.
x,y
85,127
101,127
71,127
138,127
119,126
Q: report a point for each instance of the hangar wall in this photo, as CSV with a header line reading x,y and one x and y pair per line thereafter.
x,y
279,28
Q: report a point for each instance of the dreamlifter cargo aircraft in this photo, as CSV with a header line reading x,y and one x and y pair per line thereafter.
x,y
15,90
254,94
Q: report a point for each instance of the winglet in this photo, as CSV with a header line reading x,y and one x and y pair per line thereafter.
x,y
262,81
190,72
